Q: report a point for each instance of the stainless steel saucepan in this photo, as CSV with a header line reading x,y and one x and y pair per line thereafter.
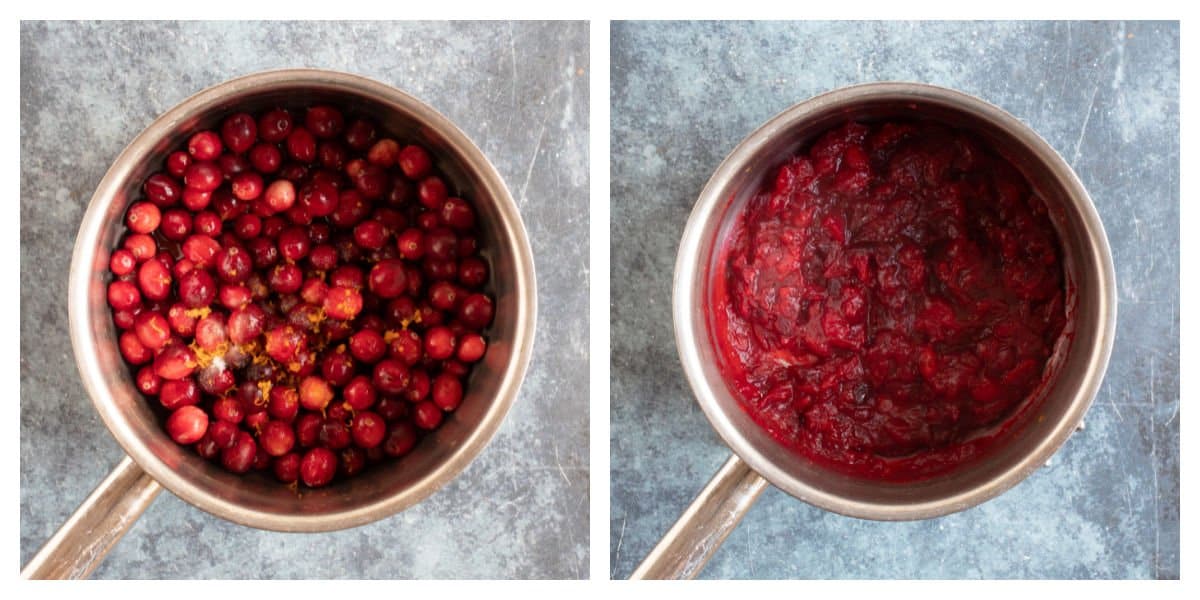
x,y
757,459
154,461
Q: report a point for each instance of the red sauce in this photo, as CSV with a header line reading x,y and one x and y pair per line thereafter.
x,y
888,303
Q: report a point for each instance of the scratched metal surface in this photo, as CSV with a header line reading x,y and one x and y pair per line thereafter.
x,y
1105,95
520,90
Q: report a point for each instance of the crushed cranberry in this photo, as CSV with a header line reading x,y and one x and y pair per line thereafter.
x,y
272,296
888,303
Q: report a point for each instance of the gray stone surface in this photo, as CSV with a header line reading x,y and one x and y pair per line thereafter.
x,y
520,90
1105,95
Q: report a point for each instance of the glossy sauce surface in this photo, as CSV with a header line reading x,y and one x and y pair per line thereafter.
x,y
889,301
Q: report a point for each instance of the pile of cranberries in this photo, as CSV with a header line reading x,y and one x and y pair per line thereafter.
x,y
300,294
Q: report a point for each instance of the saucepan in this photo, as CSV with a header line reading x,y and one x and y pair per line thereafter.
x,y
1077,368
154,461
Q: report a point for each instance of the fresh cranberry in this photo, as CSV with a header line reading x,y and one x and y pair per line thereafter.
x,y
133,350
203,176
187,425
387,278
324,121
287,468
343,303
427,415
239,132
285,344
439,343
205,146
368,429
475,311
123,295
141,245
274,126
471,347
247,186
280,195
318,467
301,145
143,217
234,264
415,162
176,393
277,438
147,382
162,189
152,329
154,280
400,440
370,235
472,272
457,214
389,376
265,158
239,457
360,134
432,192
318,198
384,153
177,163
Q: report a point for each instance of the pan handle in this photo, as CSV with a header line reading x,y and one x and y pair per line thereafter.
x,y
712,516
79,546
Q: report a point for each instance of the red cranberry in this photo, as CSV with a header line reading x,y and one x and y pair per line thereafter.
x,y
415,162
332,155
439,343
122,262
123,295
318,467
143,217
335,434
280,195
359,393
324,121
175,362
390,376
232,165
457,214
208,224
427,415
266,158
368,346
247,186
162,190
308,429
294,243
154,279
274,126
187,425
343,303
147,382
216,379
443,295
176,393
428,221
447,392
318,198
132,349
283,403
370,235
286,278
246,324
141,245
177,163
152,330
432,192
418,386
400,440
239,457
315,393
348,276
387,278
194,199
338,368
211,332
239,132
368,429
407,347
277,438
301,145
472,272
203,176
223,433
384,153
475,311
360,135
442,244
205,146
285,344
234,264
471,347
287,468
411,244
372,182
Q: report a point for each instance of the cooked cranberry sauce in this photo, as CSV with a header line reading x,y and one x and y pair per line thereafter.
x,y
889,300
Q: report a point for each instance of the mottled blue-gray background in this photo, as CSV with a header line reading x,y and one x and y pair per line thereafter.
x,y
1105,95
520,90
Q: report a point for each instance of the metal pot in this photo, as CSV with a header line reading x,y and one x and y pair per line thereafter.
x,y
1076,372
154,461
